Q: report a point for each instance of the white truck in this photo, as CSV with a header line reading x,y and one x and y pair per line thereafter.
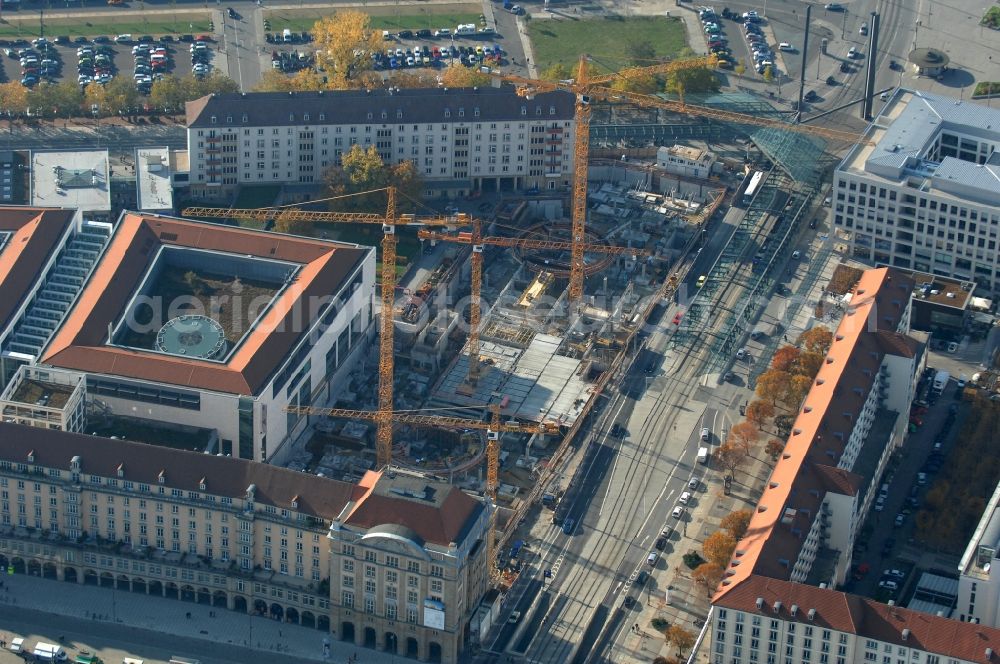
x,y
940,382
465,29
49,652
702,455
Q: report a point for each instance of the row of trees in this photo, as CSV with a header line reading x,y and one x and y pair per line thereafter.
x,y
718,548
643,54
955,501
792,370
119,97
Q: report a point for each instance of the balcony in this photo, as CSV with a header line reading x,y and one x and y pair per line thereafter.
x,y
213,139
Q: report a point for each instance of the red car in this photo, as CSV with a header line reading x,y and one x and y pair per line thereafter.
x,y
677,317
205,38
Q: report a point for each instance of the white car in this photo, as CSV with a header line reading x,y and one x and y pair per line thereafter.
x,y
443,32
785,46
889,585
678,512
685,498
693,483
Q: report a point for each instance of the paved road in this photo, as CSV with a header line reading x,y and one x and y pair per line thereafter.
x,y
242,40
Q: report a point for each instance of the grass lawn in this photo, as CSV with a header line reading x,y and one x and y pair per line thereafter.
x,y
606,39
25,26
407,244
386,18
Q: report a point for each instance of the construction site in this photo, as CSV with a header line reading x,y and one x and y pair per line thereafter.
x,y
506,329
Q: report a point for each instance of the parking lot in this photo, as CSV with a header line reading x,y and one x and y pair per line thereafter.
x,y
887,560
407,49
101,59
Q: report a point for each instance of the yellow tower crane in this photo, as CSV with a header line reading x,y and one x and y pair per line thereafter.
x,y
493,429
478,242
587,88
389,221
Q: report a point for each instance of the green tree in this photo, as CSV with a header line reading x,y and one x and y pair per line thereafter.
x,y
167,94
701,79
769,74
94,97
630,80
287,223
739,69
120,96
557,72
362,170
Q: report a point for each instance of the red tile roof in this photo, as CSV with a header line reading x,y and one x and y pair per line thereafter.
x,y
807,467
80,343
414,503
36,233
864,617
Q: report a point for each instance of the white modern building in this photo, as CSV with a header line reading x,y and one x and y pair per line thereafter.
x,y
979,571
460,140
923,190
686,160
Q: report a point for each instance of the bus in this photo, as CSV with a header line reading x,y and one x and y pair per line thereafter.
x,y
755,181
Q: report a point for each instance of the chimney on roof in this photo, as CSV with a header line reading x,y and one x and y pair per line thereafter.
x,y
812,614
760,603
777,606
906,634
794,610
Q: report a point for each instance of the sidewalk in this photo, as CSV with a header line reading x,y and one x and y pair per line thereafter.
x,y
168,616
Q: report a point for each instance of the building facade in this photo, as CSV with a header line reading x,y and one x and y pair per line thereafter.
x,y
925,194
459,140
249,537
979,570
283,323
769,621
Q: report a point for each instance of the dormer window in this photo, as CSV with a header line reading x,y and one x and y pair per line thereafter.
x,y
201,484
215,120
31,456
322,117
291,117
305,117
552,110
229,119
121,470
399,115
246,119
461,112
162,477
295,503
475,111
370,115
447,112
538,110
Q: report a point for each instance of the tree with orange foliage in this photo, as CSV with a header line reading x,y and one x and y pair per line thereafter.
x,y
743,434
808,364
736,523
731,457
718,548
773,385
784,358
797,390
816,339
774,448
708,576
759,412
